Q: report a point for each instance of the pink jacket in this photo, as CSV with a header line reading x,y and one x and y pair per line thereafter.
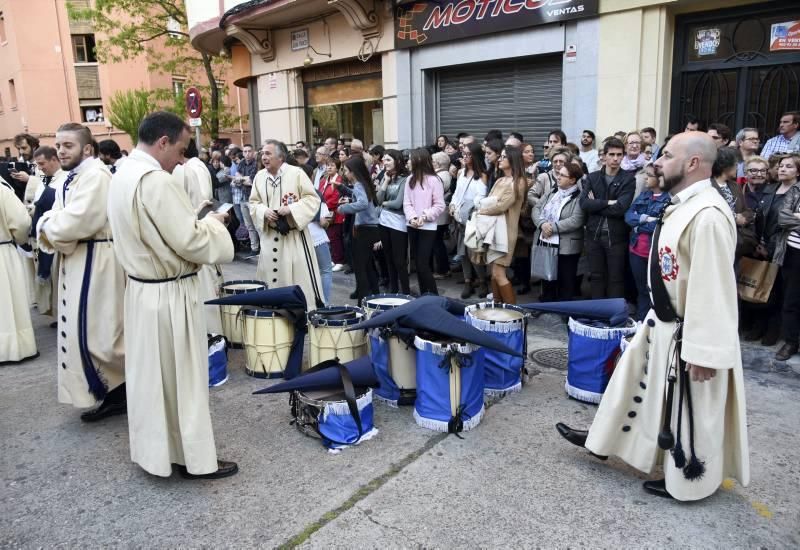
x,y
425,201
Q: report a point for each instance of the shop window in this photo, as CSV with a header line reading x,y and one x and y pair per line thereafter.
x,y
92,112
3,39
363,120
83,48
12,94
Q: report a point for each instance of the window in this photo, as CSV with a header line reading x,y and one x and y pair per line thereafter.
x,y
83,50
178,85
92,111
12,93
174,28
2,28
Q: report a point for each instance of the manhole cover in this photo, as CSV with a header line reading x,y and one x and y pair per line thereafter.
x,y
554,358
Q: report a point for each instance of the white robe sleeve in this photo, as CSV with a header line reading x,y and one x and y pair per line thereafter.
x,y
16,215
305,210
258,208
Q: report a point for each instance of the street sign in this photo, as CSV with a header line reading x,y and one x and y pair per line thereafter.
x,y
194,104
195,122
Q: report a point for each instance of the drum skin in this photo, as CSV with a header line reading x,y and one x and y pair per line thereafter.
x,y
329,338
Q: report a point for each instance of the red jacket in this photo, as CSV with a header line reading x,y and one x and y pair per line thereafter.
x,y
330,194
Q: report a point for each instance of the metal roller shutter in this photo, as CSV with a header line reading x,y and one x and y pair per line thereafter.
x,y
523,95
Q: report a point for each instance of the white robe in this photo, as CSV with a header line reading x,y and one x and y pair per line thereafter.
x,y
696,248
284,260
160,237
16,331
91,286
45,290
196,181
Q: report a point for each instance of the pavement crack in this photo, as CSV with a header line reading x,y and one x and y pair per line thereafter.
x,y
390,527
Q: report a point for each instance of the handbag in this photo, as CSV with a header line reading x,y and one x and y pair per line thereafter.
x,y
544,265
755,280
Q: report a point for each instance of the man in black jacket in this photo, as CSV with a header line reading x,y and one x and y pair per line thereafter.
x,y
607,194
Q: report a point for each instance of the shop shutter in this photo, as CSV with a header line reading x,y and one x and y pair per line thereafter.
x,y
523,95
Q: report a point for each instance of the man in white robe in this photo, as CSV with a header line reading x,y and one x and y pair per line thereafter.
x,y
17,341
195,178
700,435
283,202
162,245
91,359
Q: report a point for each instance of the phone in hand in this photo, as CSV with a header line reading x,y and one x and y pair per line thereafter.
x,y
216,207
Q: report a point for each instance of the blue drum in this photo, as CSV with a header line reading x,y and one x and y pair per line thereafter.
x,y
593,352
449,386
326,414
217,360
502,373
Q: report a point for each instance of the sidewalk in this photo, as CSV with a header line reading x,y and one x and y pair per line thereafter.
x,y
511,482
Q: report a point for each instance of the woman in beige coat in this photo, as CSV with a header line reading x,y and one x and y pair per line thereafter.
x,y
509,191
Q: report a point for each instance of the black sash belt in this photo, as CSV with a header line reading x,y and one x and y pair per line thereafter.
x,y
84,241
160,281
7,242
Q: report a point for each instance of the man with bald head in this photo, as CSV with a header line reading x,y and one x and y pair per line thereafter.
x,y
677,394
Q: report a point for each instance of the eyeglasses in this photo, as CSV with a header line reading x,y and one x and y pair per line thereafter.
x,y
565,176
755,171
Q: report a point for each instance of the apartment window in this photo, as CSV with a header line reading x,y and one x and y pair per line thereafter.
x,y
83,48
12,93
2,28
92,111
178,86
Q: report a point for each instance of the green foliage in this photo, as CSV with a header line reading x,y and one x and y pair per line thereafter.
x,y
127,109
127,29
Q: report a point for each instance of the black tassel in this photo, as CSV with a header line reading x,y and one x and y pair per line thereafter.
x,y
678,455
695,469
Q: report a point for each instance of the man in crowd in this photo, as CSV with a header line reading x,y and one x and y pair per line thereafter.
x,y
110,154
331,145
162,245
91,359
282,204
357,148
788,138
747,141
720,133
606,197
649,138
693,125
588,152
241,187
26,144
677,395
321,156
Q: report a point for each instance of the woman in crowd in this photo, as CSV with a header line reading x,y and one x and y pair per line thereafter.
x,y
423,201
441,142
642,217
394,236
634,159
774,161
441,262
330,185
522,259
723,175
764,320
365,226
470,189
344,154
787,253
559,219
492,151
509,192
548,181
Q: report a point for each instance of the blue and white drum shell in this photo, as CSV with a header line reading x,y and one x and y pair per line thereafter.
x,y
449,386
329,338
231,322
337,427
268,339
593,353
508,323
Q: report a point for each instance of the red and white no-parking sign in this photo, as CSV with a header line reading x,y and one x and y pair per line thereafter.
x,y
194,104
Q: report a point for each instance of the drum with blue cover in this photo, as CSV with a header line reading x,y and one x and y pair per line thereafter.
x,y
508,323
329,415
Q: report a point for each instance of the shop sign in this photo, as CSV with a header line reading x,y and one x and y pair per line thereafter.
x,y
429,22
299,40
706,41
785,36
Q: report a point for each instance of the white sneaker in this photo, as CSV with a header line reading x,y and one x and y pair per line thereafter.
x,y
490,297
337,267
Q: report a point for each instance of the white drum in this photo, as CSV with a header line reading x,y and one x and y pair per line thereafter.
x,y
231,323
267,340
329,338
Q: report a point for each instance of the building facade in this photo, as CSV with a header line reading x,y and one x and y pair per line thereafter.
x,y
49,74
400,72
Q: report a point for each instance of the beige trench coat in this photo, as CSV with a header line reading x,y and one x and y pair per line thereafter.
x,y
16,331
161,238
696,251
509,203
283,260
91,286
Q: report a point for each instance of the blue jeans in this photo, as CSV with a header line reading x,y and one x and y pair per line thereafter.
x,y
639,271
325,269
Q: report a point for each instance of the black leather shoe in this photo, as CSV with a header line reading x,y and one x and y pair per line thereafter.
x,y
657,487
576,437
104,411
786,352
224,469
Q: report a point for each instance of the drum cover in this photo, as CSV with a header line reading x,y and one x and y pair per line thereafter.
x,y
507,323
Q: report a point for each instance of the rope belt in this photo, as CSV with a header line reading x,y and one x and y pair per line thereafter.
x,y
85,241
7,242
160,281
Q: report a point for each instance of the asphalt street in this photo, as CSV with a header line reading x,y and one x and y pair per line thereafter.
x,y
511,482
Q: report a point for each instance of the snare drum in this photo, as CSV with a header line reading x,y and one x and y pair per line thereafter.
x,y
593,353
508,323
267,340
231,324
395,363
449,386
326,414
330,340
